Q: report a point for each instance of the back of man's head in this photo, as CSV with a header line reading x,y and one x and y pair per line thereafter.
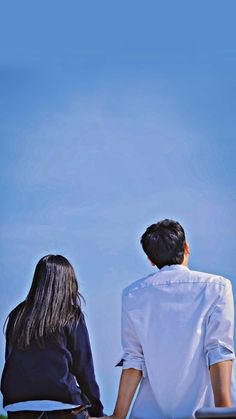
x,y
164,243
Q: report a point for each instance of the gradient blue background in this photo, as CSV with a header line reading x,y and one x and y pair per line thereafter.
x,y
114,115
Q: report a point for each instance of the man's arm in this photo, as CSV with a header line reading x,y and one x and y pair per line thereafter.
x,y
129,381
133,364
221,374
220,379
219,345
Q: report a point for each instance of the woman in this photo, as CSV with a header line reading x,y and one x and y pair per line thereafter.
x,y
48,370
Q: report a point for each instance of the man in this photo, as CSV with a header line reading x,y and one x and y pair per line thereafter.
x,y
177,334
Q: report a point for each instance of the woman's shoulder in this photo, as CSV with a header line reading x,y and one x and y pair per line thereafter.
x,y
16,310
76,321
76,326
11,318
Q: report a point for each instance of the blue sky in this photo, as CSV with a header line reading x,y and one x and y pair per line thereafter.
x,y
113,116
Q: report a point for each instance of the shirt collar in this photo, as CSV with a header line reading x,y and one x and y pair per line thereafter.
x,y
173,268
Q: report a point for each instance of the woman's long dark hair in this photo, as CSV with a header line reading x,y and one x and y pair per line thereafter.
x,y
53,301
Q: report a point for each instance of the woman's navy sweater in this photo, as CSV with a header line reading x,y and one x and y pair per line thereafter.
x,y
62,370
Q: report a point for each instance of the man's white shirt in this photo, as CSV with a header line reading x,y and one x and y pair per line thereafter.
x,y
175,324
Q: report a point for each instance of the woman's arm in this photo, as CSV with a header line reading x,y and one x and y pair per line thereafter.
x,y
83,367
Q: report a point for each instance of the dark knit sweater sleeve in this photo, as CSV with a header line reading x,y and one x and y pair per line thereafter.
x,y
83,367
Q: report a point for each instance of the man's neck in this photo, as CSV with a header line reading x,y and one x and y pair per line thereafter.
x,y
185,262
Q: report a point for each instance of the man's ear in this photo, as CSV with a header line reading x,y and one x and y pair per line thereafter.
x,y
186,249
152,263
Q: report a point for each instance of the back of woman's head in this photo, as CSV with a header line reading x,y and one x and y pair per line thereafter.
x,y
52,302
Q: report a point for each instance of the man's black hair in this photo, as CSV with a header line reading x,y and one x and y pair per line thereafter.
x,y
164,242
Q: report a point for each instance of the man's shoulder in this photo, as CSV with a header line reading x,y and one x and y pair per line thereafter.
x,y
142,284
138,285
209,278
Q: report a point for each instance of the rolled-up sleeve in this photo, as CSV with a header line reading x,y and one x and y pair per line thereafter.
x,y
219,339
133,354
